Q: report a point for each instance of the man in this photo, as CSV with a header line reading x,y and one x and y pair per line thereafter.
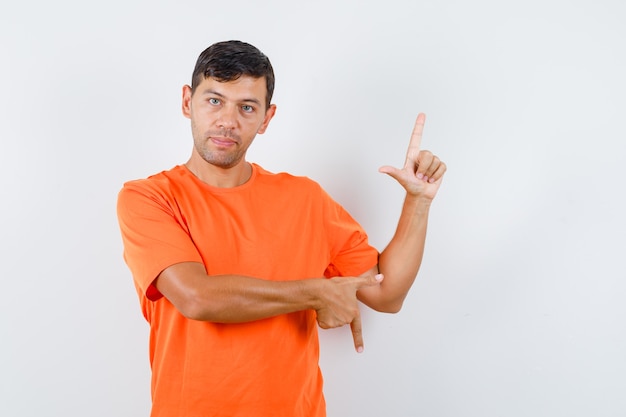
x,y
236,267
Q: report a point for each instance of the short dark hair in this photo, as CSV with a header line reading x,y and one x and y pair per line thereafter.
x,y
229,60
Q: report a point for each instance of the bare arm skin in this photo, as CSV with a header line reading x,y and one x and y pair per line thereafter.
x,y
421,177
236,298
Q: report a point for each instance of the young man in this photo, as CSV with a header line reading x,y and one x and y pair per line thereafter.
x,y
235,267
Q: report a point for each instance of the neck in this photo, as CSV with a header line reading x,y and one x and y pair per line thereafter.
x,y
216,176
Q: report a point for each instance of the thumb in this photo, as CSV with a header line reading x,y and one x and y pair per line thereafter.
x,y
391,171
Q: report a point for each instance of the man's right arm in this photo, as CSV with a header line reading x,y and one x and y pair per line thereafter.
x,y
233,298
237,299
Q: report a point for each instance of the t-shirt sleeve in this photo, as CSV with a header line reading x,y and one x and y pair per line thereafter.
x,y
351,254
153,233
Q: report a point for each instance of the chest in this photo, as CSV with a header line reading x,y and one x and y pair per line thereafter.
x,y
272,238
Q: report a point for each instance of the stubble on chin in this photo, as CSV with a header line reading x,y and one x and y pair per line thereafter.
x,y
222,159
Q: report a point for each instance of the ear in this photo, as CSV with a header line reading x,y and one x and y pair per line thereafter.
x,y
186,107
269,113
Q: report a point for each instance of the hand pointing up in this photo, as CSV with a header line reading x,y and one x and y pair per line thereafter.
x,y
422,172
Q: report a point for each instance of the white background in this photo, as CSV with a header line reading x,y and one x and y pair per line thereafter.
x,y
519,306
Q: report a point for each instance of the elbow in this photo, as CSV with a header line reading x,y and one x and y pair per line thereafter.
x,y
198,306
393,309
382,303
190,310
193,307
390,306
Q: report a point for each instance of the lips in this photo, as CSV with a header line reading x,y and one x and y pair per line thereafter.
x,y
221,141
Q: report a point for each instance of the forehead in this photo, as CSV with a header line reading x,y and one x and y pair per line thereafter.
x,y
244,88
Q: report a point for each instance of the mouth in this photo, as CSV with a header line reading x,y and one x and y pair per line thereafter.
x,y
222,141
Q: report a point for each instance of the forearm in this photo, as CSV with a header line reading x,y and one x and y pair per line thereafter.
x,y
236,299
400,261
233,298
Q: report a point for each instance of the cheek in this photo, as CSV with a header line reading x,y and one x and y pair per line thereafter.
x,y
201,120
258,124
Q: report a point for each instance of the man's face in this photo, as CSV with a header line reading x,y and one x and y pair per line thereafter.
x,y
225,118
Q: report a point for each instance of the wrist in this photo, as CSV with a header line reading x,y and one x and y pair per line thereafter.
x,y
312,291
418,203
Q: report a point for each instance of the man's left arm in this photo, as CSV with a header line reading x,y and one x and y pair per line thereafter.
x,y
400,261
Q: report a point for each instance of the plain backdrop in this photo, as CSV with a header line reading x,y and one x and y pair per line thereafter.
x,y
519,307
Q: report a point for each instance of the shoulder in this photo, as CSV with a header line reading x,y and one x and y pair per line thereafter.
x,y
294,192
287,181
158,187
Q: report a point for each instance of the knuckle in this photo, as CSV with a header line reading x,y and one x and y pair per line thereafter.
x,y
325,325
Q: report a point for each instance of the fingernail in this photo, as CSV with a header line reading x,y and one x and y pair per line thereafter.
x,y
379,277
420,175
425,178
359,349
431,180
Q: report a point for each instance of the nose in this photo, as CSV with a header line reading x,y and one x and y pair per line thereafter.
x,y
227,117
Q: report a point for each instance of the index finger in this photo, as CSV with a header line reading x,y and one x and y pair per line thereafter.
x,y
357,333
416,142
368,280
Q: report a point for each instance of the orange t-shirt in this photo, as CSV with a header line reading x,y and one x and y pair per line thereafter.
x,y
274,227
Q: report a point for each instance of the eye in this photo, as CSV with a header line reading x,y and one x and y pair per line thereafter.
x,y
214,101
247,108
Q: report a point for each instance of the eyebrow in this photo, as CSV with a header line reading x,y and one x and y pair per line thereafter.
x,y
217,93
